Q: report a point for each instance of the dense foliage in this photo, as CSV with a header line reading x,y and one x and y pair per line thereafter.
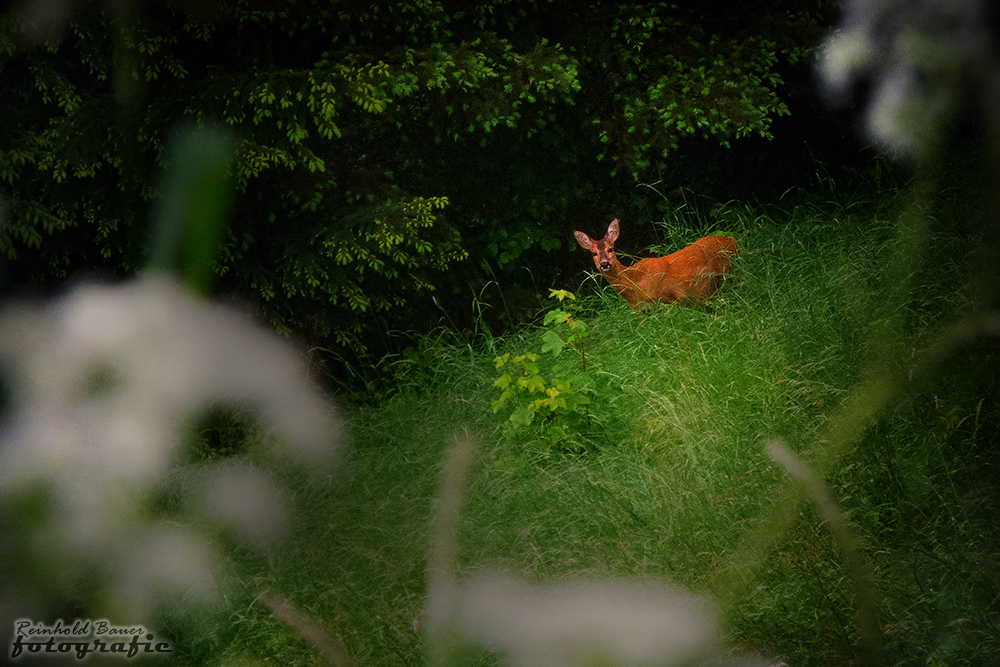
x,y
377,145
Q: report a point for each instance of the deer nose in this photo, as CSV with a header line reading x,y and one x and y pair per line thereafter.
x,y
605,265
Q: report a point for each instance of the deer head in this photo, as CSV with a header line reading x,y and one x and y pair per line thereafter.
x,y
603,250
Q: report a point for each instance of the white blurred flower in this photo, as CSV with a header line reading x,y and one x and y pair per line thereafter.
x,y
924,60
603,622
103,379
157,563
845,56
245,498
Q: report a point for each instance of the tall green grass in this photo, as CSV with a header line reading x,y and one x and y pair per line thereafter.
x,y
831,307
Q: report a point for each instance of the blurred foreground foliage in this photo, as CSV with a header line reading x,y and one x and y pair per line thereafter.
x,y
378,146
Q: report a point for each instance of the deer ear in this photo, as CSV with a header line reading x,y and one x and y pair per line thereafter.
x,y
583,240
612,234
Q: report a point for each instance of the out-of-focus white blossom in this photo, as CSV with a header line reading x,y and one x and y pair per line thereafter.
x,y
609,622
156,563
923,60
845,56
246,499
102,382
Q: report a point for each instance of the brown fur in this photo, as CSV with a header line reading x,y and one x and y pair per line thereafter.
x,y
687,276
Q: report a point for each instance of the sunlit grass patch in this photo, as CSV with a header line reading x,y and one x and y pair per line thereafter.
x,y
672,483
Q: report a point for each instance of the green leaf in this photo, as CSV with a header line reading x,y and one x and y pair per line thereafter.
x,y
534,383
552,342
523,416
556,316
193,210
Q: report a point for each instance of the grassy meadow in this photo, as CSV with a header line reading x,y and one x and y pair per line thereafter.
x,y
833,339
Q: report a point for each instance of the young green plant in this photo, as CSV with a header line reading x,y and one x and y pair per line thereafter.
x,y
549,390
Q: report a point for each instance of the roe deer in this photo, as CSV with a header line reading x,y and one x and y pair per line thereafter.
x,y
687,276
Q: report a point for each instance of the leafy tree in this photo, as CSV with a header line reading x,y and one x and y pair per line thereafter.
x,y
377,144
